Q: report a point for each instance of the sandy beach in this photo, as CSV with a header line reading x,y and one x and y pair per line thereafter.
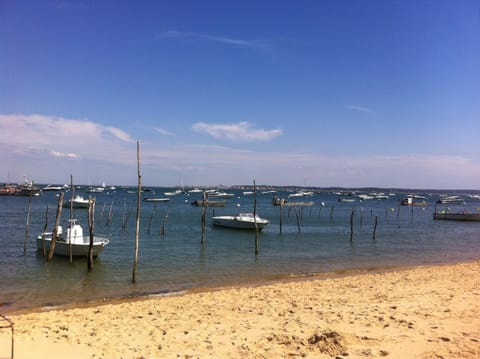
x,y
424,312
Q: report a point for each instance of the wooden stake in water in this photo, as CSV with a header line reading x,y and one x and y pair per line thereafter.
x,y
298,220
72,192
27,227
91,225
281,217
351,224
137,228
55,229
203,218
43,233
255,215
375,228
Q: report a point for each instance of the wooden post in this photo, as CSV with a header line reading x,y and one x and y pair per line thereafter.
x,y
72,192
204,210
412,212
137,228
55,229
255,215
281,217
298,220
331,213
351,224
27,227
109,218
375,228
150,218
43,233
124,216
91,225
164,224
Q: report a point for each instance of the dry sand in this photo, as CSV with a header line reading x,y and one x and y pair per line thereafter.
x,y
426,312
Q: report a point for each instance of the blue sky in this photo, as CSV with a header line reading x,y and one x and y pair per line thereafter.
x,y
309,93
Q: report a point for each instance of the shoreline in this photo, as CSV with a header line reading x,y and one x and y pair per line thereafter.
x,y
418,312
277,279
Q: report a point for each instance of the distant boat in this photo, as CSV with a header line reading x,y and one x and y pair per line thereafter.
x,y
277,201
301,194
79,243
451,200
54,188
463,216
242,221
151,199
78,202
174,193
220,194
199,203
27,189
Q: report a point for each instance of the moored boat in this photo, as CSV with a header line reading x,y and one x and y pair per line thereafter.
x,y
73,239
242,221
156,199
463,216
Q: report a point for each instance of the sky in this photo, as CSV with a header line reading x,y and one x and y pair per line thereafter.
x,y
305,93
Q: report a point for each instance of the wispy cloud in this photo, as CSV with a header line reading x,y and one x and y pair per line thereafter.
x,y
241,131
163,132
59,137
360,109
219,39
64,155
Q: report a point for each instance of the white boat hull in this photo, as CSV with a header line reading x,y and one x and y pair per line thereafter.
x,y
62,248
239,222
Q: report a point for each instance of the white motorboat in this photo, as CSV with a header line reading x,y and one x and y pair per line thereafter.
x,y
242,221
78,202
74,238
220,194
156,199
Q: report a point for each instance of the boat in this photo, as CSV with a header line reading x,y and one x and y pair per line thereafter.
x,y
27,189
199,203
220,194
174,193
301,194
75,239
277,201
78,202
54,188
156,199
451,200
458,216
242,221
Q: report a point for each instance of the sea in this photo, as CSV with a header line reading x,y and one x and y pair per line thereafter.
x,y
343,231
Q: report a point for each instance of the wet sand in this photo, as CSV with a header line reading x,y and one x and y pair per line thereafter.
x,y
424,312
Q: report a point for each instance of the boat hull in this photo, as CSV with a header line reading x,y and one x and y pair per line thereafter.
x,y
469,217
78,250
238,223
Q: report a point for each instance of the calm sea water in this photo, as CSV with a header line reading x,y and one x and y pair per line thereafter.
x,y
176,260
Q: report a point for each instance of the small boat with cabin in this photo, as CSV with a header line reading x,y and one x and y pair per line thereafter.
x,y
74,238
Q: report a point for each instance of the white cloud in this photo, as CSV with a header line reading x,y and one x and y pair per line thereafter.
x,y
359,109
48,148
163,131
241,131
219,39
64,155
60,137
